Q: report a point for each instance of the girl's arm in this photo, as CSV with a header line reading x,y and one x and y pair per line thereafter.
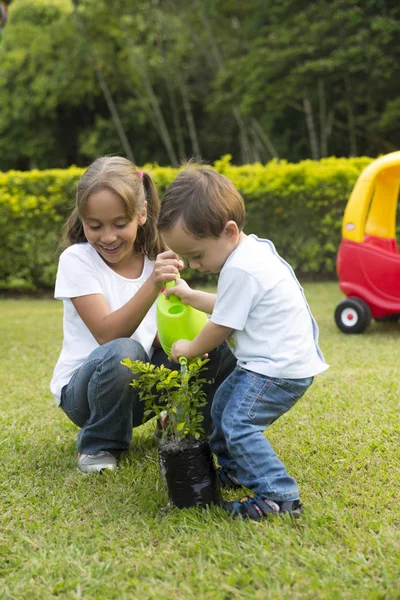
x,y
203,301
106,325
210,337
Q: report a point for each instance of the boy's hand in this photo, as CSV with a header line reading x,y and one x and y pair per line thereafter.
x,y
182,348
182,290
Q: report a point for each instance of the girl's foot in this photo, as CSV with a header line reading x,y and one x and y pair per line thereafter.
x,y
97,463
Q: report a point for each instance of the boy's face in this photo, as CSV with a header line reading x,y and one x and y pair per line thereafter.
x,y
207,255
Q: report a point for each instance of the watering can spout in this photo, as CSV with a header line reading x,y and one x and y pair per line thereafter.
x,y
176,320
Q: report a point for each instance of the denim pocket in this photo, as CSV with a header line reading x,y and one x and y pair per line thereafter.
x,y
276,397
293,386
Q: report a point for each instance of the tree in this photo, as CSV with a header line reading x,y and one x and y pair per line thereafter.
x,y
329,78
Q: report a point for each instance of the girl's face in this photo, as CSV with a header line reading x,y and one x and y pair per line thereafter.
x,y
108,228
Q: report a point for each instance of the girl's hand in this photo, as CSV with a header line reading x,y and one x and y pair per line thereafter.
x,y
182,290
167,267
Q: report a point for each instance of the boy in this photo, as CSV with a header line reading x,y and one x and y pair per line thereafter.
x,y
261,310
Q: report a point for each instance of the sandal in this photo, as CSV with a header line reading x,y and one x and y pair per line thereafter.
x,y
293,507
258,508
227,480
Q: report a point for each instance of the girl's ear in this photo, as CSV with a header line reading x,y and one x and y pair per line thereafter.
x,y
143,215
231,229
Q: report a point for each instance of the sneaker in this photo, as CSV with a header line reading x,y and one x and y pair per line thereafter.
x,y
97,463
258,508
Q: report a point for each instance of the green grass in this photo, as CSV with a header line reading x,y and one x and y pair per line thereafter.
x,y
63,535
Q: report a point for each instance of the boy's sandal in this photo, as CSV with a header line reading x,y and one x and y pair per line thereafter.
x,y
257,508
227,480
293,507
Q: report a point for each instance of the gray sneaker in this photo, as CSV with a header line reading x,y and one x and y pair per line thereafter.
x,y
97,463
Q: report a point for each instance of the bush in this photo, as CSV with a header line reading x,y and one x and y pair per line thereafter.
x,y
298,206
33,208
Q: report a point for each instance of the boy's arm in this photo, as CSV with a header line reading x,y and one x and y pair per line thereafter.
x,y
209,338
203,301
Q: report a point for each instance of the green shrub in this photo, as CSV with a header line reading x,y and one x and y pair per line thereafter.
x,y
298,206
33,207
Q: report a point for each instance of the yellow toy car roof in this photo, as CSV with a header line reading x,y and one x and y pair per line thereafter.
x,y
372,205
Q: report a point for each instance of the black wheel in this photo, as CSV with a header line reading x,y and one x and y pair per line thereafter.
x,y
352,315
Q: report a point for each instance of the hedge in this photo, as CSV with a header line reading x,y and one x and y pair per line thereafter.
x,y
298,206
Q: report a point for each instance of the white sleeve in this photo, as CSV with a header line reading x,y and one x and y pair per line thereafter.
x,y
236,296
76,276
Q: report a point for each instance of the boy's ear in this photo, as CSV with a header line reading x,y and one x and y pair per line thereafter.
x,y
231,229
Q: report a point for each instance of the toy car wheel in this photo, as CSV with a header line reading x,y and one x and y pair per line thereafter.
x,y
352,315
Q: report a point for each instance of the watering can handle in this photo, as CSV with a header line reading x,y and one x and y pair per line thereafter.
x,y
170,284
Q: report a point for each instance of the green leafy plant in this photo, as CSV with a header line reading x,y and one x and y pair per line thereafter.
x,y
177,393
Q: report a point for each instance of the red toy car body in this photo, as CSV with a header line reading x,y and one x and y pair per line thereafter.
x,y
368,260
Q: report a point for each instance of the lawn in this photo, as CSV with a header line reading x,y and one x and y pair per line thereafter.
x,y
63,535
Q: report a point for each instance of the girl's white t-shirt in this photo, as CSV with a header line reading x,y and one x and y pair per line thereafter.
x,y
81,271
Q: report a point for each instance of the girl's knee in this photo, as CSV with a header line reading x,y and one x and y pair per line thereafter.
x,y
122,348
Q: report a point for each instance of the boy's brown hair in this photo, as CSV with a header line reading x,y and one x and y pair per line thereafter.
x,y
204,201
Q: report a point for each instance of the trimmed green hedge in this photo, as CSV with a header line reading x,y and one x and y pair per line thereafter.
x,y
298,206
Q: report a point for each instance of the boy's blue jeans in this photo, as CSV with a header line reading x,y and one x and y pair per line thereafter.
x,y
243,407
99,399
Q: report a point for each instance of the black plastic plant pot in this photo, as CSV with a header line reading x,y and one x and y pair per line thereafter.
x,y
189,473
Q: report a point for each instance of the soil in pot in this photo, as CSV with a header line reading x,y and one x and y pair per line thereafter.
x,y
189,473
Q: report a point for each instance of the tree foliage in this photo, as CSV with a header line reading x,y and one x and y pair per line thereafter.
x,y
161,80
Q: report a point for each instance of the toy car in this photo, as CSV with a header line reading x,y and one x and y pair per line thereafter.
x,y
368,260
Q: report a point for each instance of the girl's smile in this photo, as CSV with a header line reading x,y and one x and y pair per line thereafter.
x,y
111,250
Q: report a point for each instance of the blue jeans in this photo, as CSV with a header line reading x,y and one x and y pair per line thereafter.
x,y
99,399
244,406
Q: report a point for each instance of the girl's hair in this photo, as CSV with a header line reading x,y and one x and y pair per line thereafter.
x,y
204,201
121,176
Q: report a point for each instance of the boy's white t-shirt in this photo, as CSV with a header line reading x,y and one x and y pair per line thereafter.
x,y
81,271
260,298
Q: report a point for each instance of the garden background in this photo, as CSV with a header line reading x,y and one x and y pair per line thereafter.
x,y
289,99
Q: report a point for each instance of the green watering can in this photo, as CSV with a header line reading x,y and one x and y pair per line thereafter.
x,y
176,320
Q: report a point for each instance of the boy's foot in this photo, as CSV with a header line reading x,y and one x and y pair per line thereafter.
x,y
257,508
227,480
97,463
293,507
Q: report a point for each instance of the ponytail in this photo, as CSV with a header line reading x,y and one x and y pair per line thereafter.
x,y
148,239
73,231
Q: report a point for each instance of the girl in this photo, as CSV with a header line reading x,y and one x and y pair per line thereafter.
x,y
109,277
